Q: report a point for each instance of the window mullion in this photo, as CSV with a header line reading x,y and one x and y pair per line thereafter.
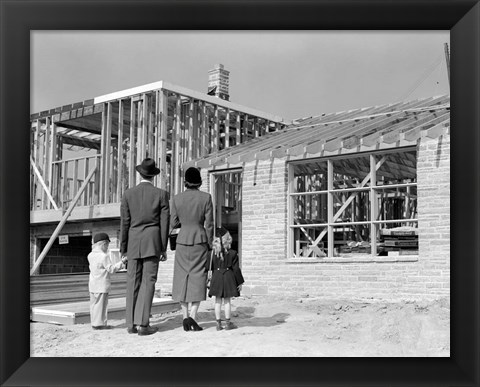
x,y
373,205
330,234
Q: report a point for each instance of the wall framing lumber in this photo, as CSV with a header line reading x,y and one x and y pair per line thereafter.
x,y
163,138
61,224
119,191
227,128
132,147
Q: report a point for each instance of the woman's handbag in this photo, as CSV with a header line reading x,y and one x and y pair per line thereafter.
x,y
209,273
172,238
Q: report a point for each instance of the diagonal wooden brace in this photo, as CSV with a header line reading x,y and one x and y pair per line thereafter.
x,y
62,222
42,182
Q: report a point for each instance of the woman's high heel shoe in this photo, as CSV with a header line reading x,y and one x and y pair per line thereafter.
x,y
186,324
193,325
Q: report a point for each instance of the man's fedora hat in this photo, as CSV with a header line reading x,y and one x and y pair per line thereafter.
x,y
192,176
148,168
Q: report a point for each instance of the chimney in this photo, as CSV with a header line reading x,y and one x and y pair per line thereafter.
x,y
218,81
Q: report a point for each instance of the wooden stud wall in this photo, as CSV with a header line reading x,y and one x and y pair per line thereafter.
x,y
159,124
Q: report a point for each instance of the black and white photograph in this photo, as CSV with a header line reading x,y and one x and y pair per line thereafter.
x,y
305,175
244,193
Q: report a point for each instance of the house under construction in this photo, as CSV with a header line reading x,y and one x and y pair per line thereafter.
x,y
73,197
346,204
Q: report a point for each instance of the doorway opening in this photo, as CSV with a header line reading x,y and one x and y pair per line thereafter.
x,y
226,187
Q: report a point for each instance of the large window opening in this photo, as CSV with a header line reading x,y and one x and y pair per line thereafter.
x,y
364,204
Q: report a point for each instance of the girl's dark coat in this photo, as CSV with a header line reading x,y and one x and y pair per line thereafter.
x,y
226,275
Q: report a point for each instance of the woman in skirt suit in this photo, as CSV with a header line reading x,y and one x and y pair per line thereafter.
x,y
192,211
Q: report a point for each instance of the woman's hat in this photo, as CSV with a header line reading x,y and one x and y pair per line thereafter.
x,y
148,168
101,236
220,232
192,176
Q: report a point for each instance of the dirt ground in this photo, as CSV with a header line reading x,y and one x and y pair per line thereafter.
x,y
269,326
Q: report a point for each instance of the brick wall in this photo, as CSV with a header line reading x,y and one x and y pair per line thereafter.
x,y
264,247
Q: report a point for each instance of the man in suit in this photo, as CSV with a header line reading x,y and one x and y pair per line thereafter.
x,y
144,225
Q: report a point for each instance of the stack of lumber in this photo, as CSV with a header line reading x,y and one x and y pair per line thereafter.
x,y
63,288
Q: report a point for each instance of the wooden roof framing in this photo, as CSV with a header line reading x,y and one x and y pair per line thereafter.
x,y
385,126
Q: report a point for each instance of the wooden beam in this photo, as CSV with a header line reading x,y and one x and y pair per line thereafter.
x,y
238,138
64,184
107,158
78,141
179,145
133,147
205,130
190,137
46,159
119,192
42,182
227,128
61,224
216,131
163,139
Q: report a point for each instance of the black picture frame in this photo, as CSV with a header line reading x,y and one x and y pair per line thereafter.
x,y
18,18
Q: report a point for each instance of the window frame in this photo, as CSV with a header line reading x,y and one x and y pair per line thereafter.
x,y
373,189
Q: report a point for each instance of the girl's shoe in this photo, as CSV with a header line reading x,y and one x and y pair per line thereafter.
x,y
193,325
219,325
186,324
229,325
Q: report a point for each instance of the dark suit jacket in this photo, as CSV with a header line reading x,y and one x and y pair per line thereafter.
x,y
193,211
144,223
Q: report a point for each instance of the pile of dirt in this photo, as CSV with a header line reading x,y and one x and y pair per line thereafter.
x,y
269,326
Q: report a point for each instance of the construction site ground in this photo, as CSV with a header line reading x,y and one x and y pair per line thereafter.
x,y
268,326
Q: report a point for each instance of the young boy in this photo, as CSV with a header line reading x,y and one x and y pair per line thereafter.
x,y
99,282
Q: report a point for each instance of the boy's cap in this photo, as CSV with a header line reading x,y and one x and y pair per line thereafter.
x,y
101,236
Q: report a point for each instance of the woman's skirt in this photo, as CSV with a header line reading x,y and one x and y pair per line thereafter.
x,y
189,275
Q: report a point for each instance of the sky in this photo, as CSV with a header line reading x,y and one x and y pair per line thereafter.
x,y
291,74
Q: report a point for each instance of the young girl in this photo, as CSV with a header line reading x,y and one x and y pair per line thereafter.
x,y
227,277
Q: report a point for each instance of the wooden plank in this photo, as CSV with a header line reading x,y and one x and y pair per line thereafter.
x,y
42,182
190,120
46,160
227,128
61,224
437,131
87,194
238,137
119,187
101,182
133,147
179,145
373,204
156,133
151,125
255,127
173,159
163,139
205,130
216,131
107,158
75,176
245,128
142,128
79,312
